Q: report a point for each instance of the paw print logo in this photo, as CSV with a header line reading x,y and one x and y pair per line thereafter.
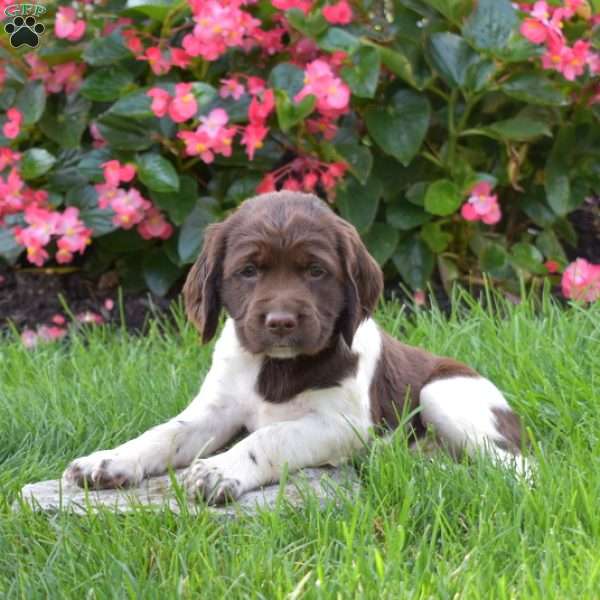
x,y
24,31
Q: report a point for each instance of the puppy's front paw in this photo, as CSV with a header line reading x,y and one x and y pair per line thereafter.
x,y
104,469
203,480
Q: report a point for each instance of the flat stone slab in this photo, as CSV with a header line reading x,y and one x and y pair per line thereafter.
x,y
327,484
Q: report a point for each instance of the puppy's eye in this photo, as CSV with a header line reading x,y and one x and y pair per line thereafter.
x,y
316,271
249,271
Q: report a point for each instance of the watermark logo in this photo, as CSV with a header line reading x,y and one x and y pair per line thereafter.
x,y
23,28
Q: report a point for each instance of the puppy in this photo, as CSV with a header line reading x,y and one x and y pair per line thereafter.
x,y
300,364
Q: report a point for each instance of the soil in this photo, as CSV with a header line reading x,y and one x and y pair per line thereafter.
x,y
29,298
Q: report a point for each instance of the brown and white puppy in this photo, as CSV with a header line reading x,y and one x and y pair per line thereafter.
x,y
300,364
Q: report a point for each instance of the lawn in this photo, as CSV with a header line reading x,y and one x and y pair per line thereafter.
x,y
418,529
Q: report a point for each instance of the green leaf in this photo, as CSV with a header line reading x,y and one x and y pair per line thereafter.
x,y
288,78
157,173
178,205
335,39
359,159
442,198
491,25
527,257
106,50
556,174
31,101
100,220
191,235
405,216
310,25
290,113
452,57
358,203
65,120
123,133
550,246
155,9
36,162
106,84
536,89
454,10
400,127
381,241
493,259
403,63
159,272
538,211
414,262
133,106
9,249
435,238
519,129
363,76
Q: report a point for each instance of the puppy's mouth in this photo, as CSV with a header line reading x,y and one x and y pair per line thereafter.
x,y
282,351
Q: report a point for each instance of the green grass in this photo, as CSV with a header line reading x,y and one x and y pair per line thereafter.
x,y
418,529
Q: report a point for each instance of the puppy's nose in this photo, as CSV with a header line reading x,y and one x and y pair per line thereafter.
x,y
280,322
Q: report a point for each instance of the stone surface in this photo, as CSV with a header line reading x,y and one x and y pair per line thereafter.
x,y
326,484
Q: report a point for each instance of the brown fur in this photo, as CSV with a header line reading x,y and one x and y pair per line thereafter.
x,y
509,425
281,380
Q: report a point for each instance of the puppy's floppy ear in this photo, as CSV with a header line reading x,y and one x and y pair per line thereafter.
x,y
202,289
364,280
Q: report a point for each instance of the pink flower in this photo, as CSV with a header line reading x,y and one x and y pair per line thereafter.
x,y
534,31
50,334
58,319
133,42
256,85
552,266
68,76
184,105
115,172
29,338
575,60
231,87
419,298
482,205
12,127
581,281
338,14
8,157
99,141
159,62
180,58
155,226
2,76
90,317
39,69
253,137
130,207
220,25
109,304
75,235
303,5
160,101
67,26
259,111
197,143
214,122
332,94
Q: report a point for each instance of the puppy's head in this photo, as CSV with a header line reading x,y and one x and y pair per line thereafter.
x,y
292,275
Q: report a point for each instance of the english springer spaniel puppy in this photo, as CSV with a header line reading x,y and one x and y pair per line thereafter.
x,y
300,364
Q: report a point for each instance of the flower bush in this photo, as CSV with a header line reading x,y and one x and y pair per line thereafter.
x,y
456,135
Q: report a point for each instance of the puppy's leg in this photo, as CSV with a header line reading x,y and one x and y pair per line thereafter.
x,y
261,457
208,423
470,414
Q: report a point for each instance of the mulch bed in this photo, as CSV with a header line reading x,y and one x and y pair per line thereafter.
x,y
29,297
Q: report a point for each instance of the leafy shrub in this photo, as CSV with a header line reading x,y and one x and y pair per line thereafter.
x,y
455,135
